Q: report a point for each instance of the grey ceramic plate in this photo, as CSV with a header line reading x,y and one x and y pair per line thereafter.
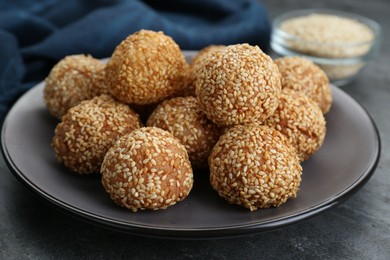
x,y
341,167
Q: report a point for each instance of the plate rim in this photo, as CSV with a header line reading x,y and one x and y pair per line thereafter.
x,y
194,233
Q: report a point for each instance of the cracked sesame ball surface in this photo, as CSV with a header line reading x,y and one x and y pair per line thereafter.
x,y
88,130
72,80
147,169
183,118
300,119
255,166
238,84
145,68
302,75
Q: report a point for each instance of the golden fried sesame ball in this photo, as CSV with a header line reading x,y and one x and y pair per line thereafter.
x,y
238,84
87,131
183,118
300,119
72,80
147,169
302,75
255,166
145,68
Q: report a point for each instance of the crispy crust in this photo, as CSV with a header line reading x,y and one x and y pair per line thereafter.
x,y
72,80
145,68
147,169
89,129
238,84
255,166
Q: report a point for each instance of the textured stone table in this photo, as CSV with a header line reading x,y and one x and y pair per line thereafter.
x,y
357,229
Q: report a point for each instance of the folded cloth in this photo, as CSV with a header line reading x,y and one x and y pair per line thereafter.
x,y
34,35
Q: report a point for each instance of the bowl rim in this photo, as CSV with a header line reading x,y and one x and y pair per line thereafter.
x,y
373,25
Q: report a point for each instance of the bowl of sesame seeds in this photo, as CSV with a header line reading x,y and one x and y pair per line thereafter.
x,y
340,43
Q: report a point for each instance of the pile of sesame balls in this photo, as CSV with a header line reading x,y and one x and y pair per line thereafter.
x,y
147,119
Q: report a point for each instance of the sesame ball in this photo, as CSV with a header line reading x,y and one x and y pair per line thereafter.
x,y
147,169
238,84
196,63
183,118
89,129
255,166
300,119
303,75
72,80
146,68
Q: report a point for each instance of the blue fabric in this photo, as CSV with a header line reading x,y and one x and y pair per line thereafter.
x,y
34,35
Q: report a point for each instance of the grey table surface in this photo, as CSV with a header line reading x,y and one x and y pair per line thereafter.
x,y
357,229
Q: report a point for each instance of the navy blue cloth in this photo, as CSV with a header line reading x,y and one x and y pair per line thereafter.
x,y
34,35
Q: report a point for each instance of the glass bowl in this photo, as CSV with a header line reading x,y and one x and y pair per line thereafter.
x,y
340,59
